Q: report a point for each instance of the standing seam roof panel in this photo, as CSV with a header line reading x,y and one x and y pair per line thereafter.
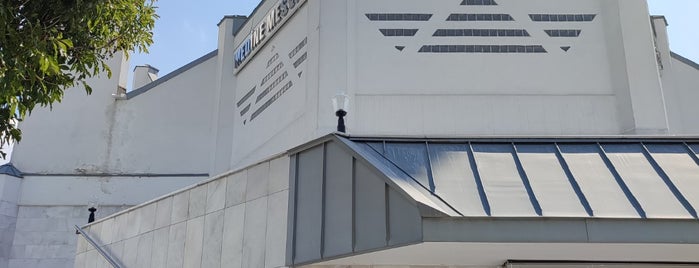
x,y
400,178
644,182
620,179
597,182
549,181
411,158
454,179
695,150
682,170
502,182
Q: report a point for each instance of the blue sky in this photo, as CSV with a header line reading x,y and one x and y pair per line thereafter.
x,y
187,29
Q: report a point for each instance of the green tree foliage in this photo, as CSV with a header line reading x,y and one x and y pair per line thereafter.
x,y
48,46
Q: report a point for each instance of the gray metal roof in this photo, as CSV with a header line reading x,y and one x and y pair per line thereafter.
x,y
9,169
651,179
357,195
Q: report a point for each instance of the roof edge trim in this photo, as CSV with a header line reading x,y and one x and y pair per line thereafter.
x,y
426,210
534,139
173,74
310,144
560,230
10,170
685,60
341,139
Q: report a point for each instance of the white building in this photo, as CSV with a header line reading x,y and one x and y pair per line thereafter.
x,y
480,133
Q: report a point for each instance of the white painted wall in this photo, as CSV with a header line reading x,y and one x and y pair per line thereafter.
x,y
9,197
557,93
642,71
221,142
683,80
166,129
95,147
608,83
680,79
72,137
290,120
161,131
115,153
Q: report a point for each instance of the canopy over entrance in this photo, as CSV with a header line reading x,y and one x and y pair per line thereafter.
x,y
369,201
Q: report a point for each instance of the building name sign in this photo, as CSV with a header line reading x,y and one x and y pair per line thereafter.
x,y
264,31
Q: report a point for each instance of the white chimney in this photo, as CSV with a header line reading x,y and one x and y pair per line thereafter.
x,y
144,75
662,42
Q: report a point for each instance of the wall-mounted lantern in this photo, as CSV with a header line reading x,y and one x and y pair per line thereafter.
x,y
340,106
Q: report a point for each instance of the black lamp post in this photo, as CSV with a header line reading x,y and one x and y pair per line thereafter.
x,y
91,218
340,106
341,121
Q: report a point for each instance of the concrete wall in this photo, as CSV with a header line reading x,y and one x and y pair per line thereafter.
x,y
56,140
282,110
236,220
555,93
164,130
110,152
45,237
100,135
9,197
685,86
607,83
680,82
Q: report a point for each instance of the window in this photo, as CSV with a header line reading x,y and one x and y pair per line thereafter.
x,y
272,73
563,33
479,3
398,32
300,60
271,100
398,17
482,49
246,97
271,86
482,32
562,17
480,17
